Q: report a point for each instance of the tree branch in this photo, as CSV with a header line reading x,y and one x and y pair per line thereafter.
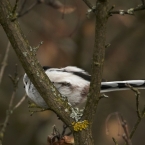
x,y
88,4
101,14
140,114
130,11
29,9
4,62
31,65
8,114
137,123
114,140
98,59
20,102
15,80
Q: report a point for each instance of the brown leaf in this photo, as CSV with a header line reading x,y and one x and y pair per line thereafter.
x,y
68,139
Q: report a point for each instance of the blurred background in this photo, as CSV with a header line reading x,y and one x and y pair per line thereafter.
x,y
68,37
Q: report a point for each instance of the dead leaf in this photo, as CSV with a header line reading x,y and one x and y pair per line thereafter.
x,y
68,139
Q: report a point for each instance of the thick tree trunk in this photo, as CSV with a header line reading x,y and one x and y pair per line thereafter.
x,y
83,137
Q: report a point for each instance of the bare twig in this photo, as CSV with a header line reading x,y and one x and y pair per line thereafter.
x,y
36,111
125,136
20,102
4,62
33,105
124,126
22,6
107,45
121,122
140,114
8,114
15,7
15,79
135,127
137,123
112,7
29,9
37,47
103,96
143,112
114,140
130,11
87,2
137,93
10,110
33,108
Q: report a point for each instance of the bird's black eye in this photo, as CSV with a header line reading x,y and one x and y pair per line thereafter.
x,y
25,83
65,84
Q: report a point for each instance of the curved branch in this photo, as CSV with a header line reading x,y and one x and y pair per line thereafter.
x,y
101,14
31,65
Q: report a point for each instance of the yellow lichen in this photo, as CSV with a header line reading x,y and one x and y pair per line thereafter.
x,y
80,125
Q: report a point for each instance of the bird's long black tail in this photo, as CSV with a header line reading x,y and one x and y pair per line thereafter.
x,y
121,85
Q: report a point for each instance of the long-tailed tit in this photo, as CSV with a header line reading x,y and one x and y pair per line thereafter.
x,y
74,83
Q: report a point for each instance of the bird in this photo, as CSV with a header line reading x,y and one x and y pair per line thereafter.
x,y
73,83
